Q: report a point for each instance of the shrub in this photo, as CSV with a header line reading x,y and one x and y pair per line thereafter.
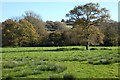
x,y
55,77
42,68
7,77
18,74
110,52
9,64
56,68
59,68
104,61
68,77
96,62
93,49
116,59
21,63
34,72
62,49
77,49
40,62
75,59
116,54
109,58
51,67
105,49
82,59
90,61
24,73
18,59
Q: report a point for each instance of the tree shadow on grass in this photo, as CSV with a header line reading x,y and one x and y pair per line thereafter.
x,y
66,49
58,49
22,51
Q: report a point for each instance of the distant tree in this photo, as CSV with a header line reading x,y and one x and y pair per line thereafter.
x,y
0,34
53,26
60,25
0,26
87,15
28,35
119,33
37,22
55,30
49,25
62,20
70,37
8,34
76,36
54,39
111,32
20,33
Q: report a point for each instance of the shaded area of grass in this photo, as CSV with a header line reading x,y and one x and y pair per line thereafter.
x,y
57,49
66,49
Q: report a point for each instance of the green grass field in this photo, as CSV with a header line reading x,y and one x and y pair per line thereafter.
x,y
60,62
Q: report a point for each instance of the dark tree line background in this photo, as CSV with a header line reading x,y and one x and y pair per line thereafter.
x,y
31,30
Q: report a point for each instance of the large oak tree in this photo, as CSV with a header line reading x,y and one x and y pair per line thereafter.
x,y
88,15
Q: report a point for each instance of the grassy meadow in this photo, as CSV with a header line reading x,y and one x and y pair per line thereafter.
x,y
60,62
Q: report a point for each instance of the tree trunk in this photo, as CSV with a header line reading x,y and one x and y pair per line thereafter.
x,y
87,38
87,46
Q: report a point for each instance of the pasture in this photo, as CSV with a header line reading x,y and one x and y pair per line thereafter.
x,y
60,62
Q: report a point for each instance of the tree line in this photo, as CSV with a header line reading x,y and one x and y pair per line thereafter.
x,y
87,25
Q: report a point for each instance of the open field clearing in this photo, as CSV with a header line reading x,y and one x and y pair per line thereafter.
x,y
60,62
